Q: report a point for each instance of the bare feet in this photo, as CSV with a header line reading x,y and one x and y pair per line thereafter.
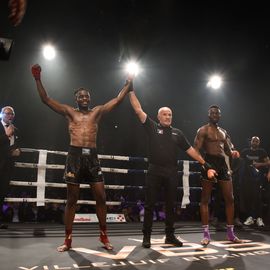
x,y
66,246
103,238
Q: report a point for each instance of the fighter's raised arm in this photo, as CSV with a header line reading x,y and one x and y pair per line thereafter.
x,y
53,104
136,105
111,104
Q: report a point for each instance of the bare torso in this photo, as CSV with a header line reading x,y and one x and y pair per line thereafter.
x,y
83,127
212,139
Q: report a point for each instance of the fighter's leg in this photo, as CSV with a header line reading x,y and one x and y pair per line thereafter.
x,y
73,192
227,191
100,198
101,210
204,209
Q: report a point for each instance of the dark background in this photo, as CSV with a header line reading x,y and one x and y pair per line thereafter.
x,y
177,43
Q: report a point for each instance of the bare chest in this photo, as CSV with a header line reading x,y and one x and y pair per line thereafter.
x,y
83,121
216,135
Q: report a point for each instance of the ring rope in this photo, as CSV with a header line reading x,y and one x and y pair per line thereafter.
x,y
83,186
103,169
55,201
110,157
123,158
41,183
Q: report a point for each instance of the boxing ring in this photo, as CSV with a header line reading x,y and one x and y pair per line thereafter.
x,y
32,246
41,183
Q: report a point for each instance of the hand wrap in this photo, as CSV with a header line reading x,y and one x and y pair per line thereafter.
x,y
207,166
36,70
210,171
130,82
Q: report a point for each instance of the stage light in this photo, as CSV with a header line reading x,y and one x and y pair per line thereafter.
x,y
49,52
215,82
132,68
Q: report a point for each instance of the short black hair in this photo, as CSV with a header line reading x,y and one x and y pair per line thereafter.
x,y
80,89
214,106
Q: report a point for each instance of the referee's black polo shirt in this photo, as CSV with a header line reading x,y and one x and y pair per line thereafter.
x,y
164,143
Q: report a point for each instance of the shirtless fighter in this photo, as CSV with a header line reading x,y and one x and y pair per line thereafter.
x,y
82,164
216,144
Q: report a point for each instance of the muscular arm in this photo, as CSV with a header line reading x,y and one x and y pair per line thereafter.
x,y
199,139
136,105
195,155
230,147
211,173
107,107
53,104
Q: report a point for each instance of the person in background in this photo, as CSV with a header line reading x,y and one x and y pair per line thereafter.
x,y
255,164
9,150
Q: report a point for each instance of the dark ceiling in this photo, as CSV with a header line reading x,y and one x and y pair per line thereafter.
x,y
178,43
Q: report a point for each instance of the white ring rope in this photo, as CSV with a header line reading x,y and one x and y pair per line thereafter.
x,y
55,201
59,185
61,167
123,158
41,183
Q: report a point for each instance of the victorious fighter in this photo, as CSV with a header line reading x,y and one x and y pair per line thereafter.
x,y
82,164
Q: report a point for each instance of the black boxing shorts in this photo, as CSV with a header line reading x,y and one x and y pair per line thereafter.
x,y
219,164
82,166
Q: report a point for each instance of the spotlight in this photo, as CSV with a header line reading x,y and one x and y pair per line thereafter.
x,y
48,52
215,82
132,68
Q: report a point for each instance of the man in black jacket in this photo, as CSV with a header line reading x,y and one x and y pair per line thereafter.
x,y
8,151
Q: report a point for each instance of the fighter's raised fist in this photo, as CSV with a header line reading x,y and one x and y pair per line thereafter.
x,y
36,70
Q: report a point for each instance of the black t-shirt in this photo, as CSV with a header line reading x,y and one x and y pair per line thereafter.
x,y
250,155
164,143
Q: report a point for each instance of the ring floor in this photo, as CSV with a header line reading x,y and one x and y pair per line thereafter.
x,y
33,247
